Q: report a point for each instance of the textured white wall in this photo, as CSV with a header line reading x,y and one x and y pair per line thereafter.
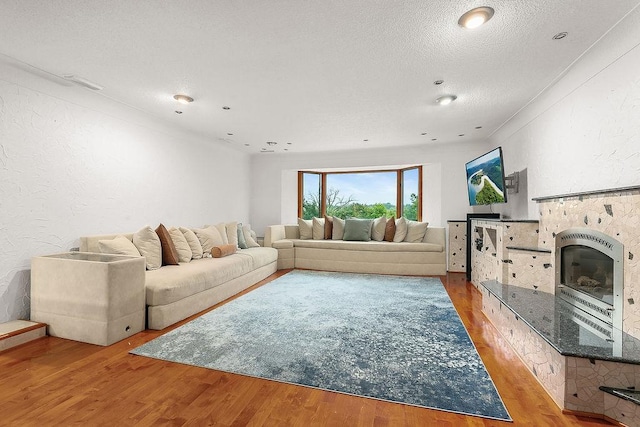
x,y
274,178
67,171
583,133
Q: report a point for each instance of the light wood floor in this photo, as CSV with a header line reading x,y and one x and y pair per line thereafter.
x,y
53,381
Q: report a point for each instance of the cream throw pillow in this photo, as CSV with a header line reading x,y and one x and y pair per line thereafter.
x,y
306,228
118,246
194,243
208,237
148,243
338,228
248,236
222,229
415,231
317,228
232,233
379,226
181,244
401,230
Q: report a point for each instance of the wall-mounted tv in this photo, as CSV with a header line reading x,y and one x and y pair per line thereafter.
x,y
485,179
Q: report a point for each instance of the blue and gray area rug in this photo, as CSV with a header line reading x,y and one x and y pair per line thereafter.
x,y
387,337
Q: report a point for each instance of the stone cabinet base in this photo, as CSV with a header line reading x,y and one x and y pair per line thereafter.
x,y
572,382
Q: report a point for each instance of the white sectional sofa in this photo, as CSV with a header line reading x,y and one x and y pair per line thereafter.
x,y
175,292
425,258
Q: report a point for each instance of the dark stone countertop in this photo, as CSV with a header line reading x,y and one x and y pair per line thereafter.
x,y
555,321
623,393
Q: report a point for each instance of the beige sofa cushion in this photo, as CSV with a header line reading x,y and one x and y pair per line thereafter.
x,y
209,237
415,231
401,230
179,241
372,246
148,243
118,246
317,228
338,228
194,243
378,228
306,228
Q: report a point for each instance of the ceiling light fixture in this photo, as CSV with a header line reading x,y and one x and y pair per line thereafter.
x,y
446,99
183,99
475,17
226,108
438,82
560,36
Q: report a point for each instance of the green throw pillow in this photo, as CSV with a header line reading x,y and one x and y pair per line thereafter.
x,y
357,229
242,242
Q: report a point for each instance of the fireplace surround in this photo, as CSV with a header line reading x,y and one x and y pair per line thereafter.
x,y
589,273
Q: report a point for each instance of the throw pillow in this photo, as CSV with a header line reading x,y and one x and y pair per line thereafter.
x,y
378,228
390,230
328,227
232,233
223,250
317,231
169,252
118,246
194,243
338,228
208,237
306,228
248,237
222,229
242,242
415,231
401,230
148,243
181,244
357,229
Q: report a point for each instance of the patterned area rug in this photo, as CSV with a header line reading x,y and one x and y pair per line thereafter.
x,y
386,337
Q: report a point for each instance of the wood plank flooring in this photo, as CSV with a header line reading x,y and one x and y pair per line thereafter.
x,y
52,381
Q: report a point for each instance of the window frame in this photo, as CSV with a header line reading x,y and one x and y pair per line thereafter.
x,y
323,189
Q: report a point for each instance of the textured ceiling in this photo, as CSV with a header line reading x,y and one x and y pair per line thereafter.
x,y
310,75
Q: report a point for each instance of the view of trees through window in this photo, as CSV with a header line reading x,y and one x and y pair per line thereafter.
x,y
361,194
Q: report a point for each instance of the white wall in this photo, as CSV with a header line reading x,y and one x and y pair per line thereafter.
x,y
274,178
583,133
67,170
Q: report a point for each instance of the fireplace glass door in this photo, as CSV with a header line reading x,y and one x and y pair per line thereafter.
x,y
588,270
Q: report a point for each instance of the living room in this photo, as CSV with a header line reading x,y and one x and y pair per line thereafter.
x,y
76,162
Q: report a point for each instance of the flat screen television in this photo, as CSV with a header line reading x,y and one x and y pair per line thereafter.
x,y
485,179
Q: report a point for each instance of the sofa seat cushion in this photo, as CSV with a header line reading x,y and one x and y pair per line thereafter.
x,y
372,246
260,256
173,282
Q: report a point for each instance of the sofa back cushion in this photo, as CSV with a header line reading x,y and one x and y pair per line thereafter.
x,y
338,228
181,245
357,229
306,228
194,243
148,243
169,252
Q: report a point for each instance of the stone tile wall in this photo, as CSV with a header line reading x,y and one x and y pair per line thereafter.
x,y
457,246
530,269
616,214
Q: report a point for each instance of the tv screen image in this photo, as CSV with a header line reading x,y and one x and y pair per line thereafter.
x,y
485,179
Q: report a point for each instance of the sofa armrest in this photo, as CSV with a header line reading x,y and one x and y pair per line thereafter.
x,y
435,235
273,233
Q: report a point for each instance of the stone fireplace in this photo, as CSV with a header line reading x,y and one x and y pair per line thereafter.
x,y
590,276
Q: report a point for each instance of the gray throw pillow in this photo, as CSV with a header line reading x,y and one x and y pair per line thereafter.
x,y
357,230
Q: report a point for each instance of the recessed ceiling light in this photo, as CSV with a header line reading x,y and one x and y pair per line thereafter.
x,y
423,133
271,143
183,99
365,140
446,99
230,134
226,108
475,17
478,127
434,139
178,112
246,145
438,82
289,143
462,134
560,36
